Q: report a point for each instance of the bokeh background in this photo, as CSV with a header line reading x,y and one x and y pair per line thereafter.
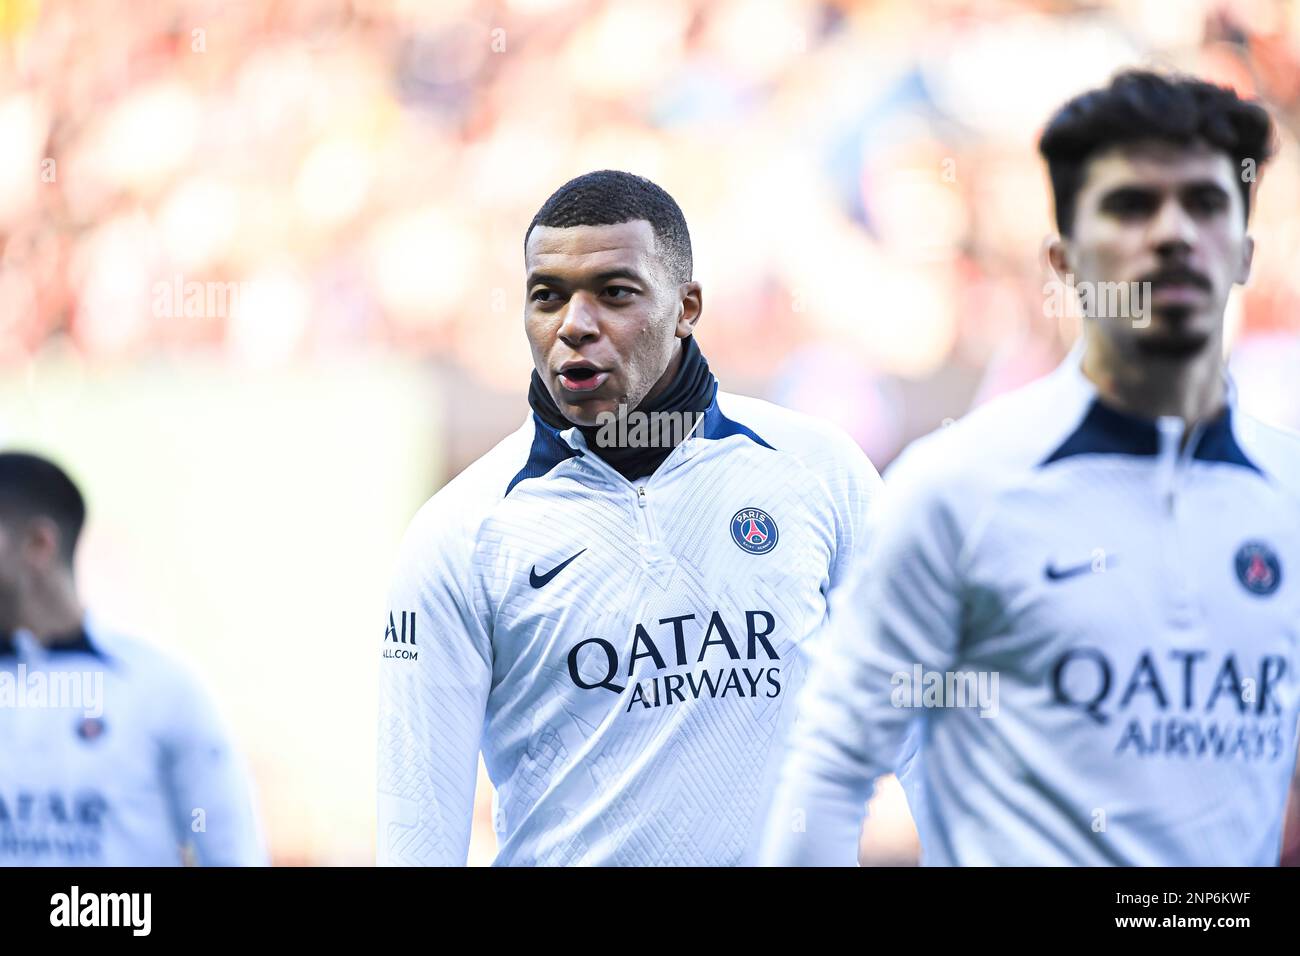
x,y
261,279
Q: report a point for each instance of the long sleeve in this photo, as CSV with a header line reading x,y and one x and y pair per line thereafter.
x,y
434,679
211,787
900,608
853,491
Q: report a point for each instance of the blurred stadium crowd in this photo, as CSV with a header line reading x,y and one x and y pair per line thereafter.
x,y
269,185
860,177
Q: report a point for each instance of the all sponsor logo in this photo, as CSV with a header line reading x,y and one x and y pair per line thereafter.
x,y
399,636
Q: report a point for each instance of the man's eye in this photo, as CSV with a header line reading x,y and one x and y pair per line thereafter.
x,y
619,291
1207,202
1131,205
545,295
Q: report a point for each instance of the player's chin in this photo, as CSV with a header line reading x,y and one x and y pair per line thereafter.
x,y
1175,333
588,411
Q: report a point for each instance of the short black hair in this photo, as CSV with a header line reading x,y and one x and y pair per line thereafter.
x,y
1143,105
608,197
31,487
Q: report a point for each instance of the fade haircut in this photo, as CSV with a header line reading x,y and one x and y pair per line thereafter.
x,y
34,487
608,197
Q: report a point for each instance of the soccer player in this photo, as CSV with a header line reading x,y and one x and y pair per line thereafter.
x,y
111,754
1102,567
612,603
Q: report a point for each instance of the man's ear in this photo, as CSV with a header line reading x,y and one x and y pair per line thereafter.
x,y
41,541
1247,258
689,307
1058,257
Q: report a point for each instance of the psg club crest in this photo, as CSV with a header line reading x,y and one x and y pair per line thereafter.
x,y
754,531
1258,569
90,729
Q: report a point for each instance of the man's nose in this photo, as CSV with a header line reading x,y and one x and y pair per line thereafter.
x,y
1173,231
580,322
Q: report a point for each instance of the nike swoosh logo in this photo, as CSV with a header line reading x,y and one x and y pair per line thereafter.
x,y
1060,574
541,580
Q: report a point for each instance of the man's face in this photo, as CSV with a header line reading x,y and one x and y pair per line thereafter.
x,y
1168,215
602,315
11,577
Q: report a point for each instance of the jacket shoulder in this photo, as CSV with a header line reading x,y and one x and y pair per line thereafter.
x,y
156,672
813,440
1004,437
968,464
1274,449
461,505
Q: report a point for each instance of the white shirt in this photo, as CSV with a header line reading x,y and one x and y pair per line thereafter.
x,y
1139,608
113,755
623,652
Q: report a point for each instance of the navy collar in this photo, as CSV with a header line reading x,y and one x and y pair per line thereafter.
x,y
1108,431
550,446
717,426
548,449
689,393
78,643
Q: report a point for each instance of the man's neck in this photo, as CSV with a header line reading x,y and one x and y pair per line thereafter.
x,y
685,389
666,379
53,613
1190,388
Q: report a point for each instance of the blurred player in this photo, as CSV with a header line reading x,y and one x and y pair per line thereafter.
x,y
1089,590
111,754
614,612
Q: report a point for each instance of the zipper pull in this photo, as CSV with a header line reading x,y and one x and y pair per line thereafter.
x,y
1171,435
640,496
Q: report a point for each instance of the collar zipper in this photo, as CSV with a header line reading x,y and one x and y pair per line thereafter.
x,y
1173,461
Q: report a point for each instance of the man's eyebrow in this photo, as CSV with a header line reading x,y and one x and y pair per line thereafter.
x,y
544,278
1142,189
624,273
1129,189
1203,185
600,278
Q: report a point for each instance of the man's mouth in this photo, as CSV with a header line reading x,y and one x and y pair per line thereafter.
x,y
1176,293
581,377
1178,287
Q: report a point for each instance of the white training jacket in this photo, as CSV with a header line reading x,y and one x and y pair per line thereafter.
x,y
1137,602
623,653
111,754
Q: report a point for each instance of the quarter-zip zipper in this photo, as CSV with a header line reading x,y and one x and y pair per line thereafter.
x,y
1171,436
643,515
646,533
1172,465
